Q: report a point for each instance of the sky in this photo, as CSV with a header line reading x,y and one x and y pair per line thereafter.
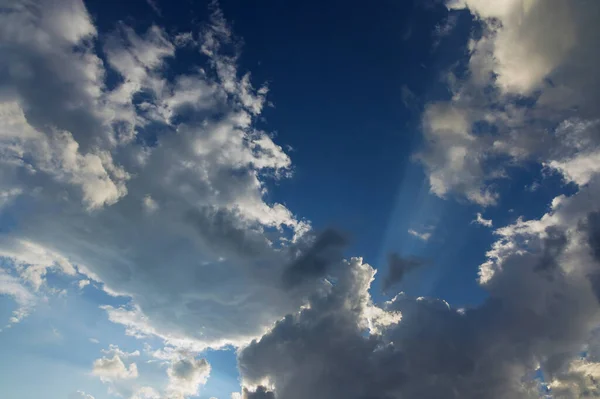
x,y
290,200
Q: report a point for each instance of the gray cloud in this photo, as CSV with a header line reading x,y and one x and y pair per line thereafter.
x,y
485,352
260,393
397,269
315,257
178,222
536,318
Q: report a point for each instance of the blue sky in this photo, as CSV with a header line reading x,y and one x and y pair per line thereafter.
x,y
206,199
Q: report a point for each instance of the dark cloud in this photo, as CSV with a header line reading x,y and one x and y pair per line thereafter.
x,y
260,393
592,228
326,249
435,351
593,225
56,84
182,226
553,245
397,268
221,229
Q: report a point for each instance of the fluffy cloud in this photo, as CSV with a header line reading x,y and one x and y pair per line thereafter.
x,y
146,393
186,375
153,186
479,219
529,94
113,368
119,373
157,187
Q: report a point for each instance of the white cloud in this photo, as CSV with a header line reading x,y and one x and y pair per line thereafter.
x,y
33,261
83,283
482,221
532,39
579,169
210,266
454,156
24,299
119,210
149,204
115,350
111,369
58,156
186,375
146,393
154,5
537,50
422,236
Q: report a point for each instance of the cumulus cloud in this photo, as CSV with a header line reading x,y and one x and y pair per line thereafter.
x,y
122,180
146,393
83,283
186,375
538,51
113,368
542,272
397,269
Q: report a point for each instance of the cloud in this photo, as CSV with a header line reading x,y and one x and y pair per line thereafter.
x,y
111,369
541,51
186,375
493,351
83,283
156,187
154,5
115,350
397,268
482,221
25,300
422,236
33,261
80,395
146,393
546,33
579,169
116,181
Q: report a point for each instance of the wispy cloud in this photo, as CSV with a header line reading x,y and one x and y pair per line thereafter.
x,y
425,236
480,220
154,5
